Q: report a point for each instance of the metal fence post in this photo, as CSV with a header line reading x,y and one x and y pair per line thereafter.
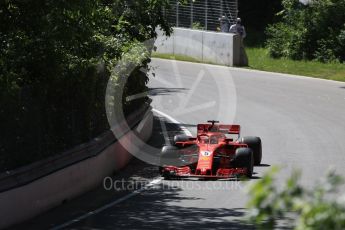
x,y
177,13
221,8
206,13
236,16
191,13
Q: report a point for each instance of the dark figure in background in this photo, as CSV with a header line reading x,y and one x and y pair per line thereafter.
x,y
239,29
224,24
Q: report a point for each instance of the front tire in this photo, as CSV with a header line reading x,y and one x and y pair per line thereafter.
x,y
244,159
255,144
169,156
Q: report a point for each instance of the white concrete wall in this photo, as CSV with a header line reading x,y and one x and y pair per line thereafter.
x,y
28,201
188,42
218,48
164,44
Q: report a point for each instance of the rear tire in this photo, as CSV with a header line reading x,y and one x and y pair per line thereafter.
x,y
255,144
244,159
181,138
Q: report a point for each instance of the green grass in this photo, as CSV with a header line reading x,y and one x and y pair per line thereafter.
x,y
180,58
260,60
175,57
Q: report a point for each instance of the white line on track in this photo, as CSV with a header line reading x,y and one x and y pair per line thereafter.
x,y
80,218
130,195
184,129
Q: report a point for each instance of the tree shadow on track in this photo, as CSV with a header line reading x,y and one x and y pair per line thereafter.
x,y
165,91
158,209
189,125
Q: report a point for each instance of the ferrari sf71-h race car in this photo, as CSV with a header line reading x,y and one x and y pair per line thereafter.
x,y
217,152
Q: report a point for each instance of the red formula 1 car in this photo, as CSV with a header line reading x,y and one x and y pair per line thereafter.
x,y
217,152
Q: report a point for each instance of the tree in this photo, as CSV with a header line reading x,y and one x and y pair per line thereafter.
x,y
256,15
312,31
55,61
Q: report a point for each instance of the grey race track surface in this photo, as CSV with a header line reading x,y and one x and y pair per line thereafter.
x,y
300,120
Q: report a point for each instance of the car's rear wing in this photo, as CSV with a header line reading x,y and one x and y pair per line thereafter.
x,y
227,129
231,129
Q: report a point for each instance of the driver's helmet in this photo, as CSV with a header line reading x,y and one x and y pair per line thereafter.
x,y
214,140
203,139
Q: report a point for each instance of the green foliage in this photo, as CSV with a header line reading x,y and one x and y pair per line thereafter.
x,y
55,61
197,26
313,31
313,208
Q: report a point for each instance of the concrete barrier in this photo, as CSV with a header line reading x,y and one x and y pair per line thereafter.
x,y
218,48
188,42
29,200
164,44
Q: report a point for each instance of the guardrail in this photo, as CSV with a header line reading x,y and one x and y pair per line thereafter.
x,y
31,190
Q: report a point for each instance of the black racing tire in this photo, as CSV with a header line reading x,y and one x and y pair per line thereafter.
x,y
169,155
166,176
255,144
215,165
181,138
244,159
